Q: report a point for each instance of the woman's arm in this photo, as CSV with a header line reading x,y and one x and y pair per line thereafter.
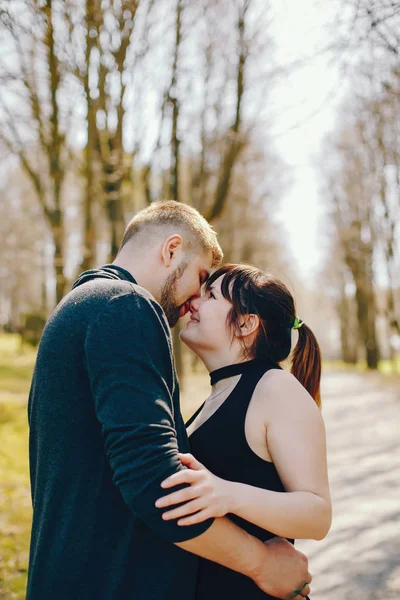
x,y
291,515
296,442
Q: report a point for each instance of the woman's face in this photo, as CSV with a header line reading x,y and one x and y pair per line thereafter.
x,y
207,329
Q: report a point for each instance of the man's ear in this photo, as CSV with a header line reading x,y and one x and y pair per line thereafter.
x,y
171,249
248,325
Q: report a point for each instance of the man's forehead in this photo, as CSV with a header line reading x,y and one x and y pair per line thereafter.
x,y
204,274
206,262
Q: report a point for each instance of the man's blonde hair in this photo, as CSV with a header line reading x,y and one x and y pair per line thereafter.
x,y
171,217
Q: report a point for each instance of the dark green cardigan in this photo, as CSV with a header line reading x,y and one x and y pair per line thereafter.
x,y
105,428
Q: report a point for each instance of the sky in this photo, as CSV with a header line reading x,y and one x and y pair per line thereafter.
x,y
307,100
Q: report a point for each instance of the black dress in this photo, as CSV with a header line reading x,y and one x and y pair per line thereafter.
x,y
220,444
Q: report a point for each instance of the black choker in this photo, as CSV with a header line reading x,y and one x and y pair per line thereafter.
x,y
231,370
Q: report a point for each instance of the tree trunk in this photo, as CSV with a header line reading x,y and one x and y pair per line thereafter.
x,y
367,329
348,341
235,140
89,234
57,228
366,314
113,175
174,171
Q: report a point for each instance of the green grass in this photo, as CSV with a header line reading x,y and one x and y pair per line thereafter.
x,y
385,366
388,368
16,364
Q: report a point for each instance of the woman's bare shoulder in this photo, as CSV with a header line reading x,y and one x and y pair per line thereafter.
x,y
278,389
278,379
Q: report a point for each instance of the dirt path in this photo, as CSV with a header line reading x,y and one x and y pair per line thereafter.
x,y
360,558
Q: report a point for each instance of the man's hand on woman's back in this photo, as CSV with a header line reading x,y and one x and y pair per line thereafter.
x,y
283,571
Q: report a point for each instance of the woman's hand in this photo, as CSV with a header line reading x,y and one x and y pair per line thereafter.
x,y
208,496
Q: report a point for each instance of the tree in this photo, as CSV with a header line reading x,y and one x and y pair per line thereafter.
x,y
108,37
35,120
351,189
23,253
376,22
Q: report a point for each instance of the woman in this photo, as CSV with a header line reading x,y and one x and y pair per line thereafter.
x,y
260,434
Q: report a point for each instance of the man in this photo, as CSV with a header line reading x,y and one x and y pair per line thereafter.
x,y
105,429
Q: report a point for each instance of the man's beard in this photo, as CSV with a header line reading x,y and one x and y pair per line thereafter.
x,y
168,295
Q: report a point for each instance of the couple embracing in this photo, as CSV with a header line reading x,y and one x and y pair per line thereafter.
x,y
131,503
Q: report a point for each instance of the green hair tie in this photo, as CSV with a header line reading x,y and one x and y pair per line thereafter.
x,y
297,323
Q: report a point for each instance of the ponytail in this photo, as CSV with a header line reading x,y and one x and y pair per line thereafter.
x,y
306,364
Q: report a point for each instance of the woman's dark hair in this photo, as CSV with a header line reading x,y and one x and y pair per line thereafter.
x,y
251,291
